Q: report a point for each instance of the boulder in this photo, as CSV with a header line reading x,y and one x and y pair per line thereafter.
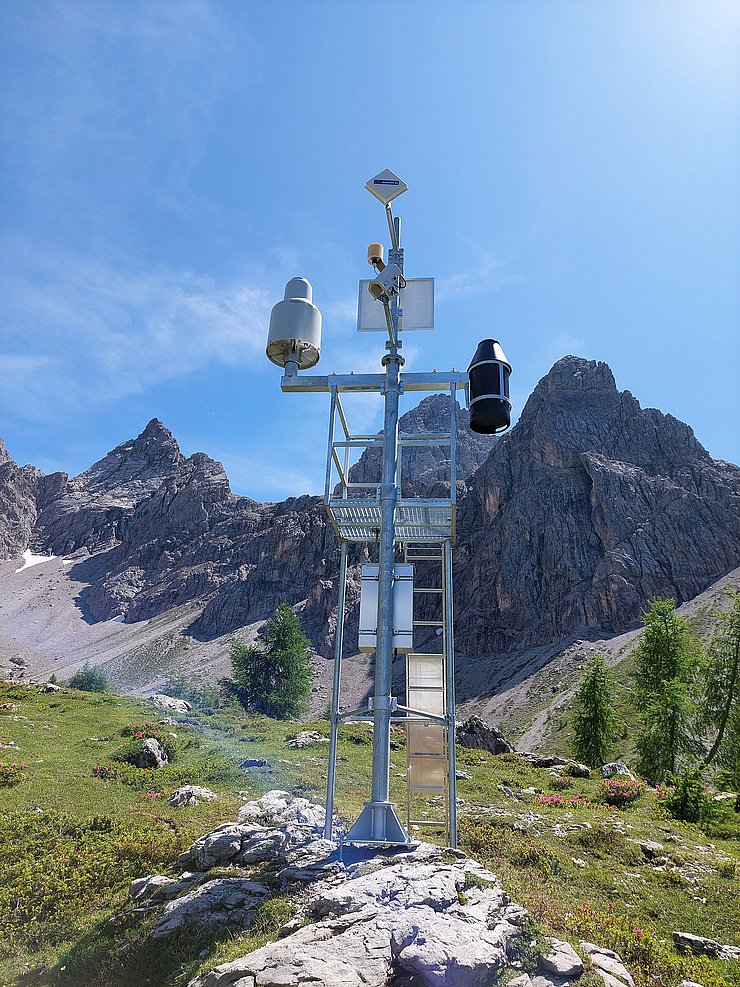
x,y
615,768
50,687
608,965
687,942
576,770
151,755
191,795
478,735
169,702
220,846
279,807
306,738
562,960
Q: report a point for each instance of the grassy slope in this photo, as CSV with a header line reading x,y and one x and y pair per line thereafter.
x,y
65,870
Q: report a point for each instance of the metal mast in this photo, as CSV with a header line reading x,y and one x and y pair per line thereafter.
x,y
378,512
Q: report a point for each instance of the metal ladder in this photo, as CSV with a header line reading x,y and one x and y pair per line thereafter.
x,y
427,744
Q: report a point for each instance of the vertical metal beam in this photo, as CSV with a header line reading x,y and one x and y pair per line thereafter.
x,y
449,647
330,445
338,642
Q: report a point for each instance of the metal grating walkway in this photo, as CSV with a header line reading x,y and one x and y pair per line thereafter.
x,y
418,521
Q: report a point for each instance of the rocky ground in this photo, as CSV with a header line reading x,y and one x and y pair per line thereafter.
x,y
424,915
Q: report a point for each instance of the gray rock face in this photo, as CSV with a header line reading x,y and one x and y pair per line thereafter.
x,y
425,469
409,918
588,507
91,510
17,505
478,735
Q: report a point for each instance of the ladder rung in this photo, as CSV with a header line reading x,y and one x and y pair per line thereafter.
x,y
441,823
429,623
428,590
427,788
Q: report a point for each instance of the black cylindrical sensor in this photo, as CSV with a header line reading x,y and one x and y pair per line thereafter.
x,y
490,407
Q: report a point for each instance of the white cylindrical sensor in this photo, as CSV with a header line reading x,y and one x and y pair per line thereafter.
x,y
295,327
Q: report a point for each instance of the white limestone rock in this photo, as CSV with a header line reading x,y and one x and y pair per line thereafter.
x,y
229,902
562,960
169,702
277,807
404,912
191,795
608,965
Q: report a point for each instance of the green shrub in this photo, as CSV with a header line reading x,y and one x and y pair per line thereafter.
x,y
90,678
11,774
689,801
56,868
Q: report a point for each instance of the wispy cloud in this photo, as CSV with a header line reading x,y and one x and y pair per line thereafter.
x,y
79,331
487,276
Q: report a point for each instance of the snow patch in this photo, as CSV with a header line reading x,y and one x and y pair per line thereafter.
x,y
30,559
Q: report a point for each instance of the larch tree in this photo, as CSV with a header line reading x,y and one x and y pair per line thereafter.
x,y
274,674
594,720
721,699
667,663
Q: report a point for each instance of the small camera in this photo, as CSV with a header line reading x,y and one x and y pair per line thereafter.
x,y
387,283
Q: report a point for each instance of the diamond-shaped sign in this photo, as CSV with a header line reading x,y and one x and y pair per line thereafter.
x,y
386,186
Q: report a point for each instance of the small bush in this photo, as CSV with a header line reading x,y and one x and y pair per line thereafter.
x,y
620,792
689,800
11,774
560,783
727,869
90,678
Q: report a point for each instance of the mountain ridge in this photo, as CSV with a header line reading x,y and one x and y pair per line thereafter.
x,y
568,523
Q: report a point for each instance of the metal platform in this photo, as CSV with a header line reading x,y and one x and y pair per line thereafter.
x,y
419,521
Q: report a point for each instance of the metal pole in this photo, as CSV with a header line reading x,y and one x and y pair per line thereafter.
x,y
449,647
382,705
338,641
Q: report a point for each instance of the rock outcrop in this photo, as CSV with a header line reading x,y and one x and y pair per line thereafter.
x,y
590,506
17,505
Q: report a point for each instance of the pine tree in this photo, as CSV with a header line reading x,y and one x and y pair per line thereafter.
x,y
721,700
274,675
667,660
594,721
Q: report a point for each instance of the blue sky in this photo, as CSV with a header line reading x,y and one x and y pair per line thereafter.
x,y
573,170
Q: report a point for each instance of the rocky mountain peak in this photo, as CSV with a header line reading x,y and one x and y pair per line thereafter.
x,y
577,408
152,455
4,454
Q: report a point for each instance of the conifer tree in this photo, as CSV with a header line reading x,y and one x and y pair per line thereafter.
x,y
667,660
274,674
594,721
721,699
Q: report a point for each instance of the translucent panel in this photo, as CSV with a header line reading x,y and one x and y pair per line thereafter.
x,y
426,738
427,772
416,300
427,700
426,670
